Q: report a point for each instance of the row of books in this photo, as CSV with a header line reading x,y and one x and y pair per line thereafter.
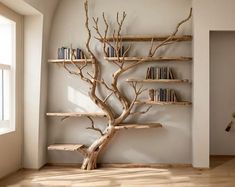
x,y
70,53
164,95
113,53
159,73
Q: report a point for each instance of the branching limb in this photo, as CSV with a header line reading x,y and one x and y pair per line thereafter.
x,y
93,126
154,50
79,72
102,81
88,29
120,22
141,112
107,97
127,112
96,72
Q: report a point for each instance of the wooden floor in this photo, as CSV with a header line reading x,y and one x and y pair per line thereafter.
x,y
221,174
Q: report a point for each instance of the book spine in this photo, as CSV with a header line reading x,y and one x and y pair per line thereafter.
x,y
69,53
161,73
78,53
156,95
152,72
112,52
74,54
151,94
123,51
168,73
147,74
61,53
165,72
158,73
161,95
171,74
65,53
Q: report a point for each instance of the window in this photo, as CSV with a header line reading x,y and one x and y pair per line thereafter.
x,y
7,58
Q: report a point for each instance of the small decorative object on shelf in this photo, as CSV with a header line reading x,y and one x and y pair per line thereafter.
x,y
164,95
159,73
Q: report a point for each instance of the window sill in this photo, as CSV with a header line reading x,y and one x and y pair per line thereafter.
x,y
5,130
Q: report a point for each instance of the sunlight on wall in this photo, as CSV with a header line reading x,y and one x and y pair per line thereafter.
x,y
82,101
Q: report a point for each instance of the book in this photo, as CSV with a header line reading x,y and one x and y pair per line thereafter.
x,y
151,94
159,73
163,95
60,53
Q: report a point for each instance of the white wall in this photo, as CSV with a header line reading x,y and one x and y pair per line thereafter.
x,y
36,83
11,143
208,15
171,144
33,26
222,92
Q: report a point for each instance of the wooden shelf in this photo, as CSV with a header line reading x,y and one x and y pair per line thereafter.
x,y
65,147
138,126
159,80
146,38
150,59
163,103
60,61
76,114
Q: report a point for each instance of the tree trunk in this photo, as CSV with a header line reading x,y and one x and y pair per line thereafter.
x,y
90,161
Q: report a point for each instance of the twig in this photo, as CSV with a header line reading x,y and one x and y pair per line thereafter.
x,y
141,112
93,126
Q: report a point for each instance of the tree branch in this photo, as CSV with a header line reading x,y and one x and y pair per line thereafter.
x,y
96,73
141,112
154,50
93,126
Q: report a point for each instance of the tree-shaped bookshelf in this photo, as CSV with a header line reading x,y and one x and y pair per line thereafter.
x,y
116,121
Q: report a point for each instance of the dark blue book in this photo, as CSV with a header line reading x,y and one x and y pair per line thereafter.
x,y
78,53
123,50
112,52
160,94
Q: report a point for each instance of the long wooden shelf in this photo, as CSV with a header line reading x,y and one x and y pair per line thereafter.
x,y
76,114
150,59
187,103
145,38
138,126
65,147
60,61
159,80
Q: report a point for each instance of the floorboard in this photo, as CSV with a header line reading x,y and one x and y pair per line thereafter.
x,y
221,174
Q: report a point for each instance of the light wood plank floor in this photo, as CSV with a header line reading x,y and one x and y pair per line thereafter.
x,y
221,174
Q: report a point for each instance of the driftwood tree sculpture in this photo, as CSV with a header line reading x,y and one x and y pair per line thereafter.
x,y
94,80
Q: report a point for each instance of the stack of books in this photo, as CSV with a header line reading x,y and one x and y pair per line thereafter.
x,y
159,73
70,53
162,95
112,52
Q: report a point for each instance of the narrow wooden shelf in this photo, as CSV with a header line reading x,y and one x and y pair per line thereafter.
x,y
146,38
150,59
65,147
76,114
159,80
138,126
60,61
187,103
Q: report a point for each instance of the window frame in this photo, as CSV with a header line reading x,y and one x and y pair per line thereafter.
x,y
9,125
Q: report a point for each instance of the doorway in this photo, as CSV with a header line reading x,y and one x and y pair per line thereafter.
x,y
222,93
